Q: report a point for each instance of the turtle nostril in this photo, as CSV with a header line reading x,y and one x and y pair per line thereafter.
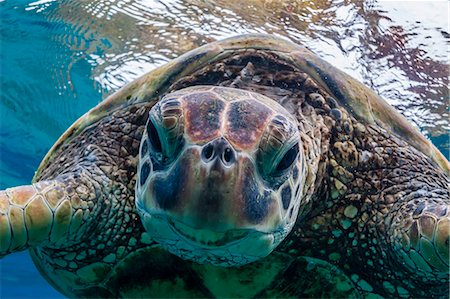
x,y
228,155
207,152
218,149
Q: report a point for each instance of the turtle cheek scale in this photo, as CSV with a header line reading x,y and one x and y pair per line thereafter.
x,y
166,190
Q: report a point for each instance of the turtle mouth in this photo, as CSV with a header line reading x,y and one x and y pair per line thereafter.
x,y
206,237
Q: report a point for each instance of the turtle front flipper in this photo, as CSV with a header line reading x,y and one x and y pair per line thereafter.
x,y
418,231
410,218
36,215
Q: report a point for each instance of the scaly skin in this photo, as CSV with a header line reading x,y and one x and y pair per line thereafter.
x,y
375,206
50,213
28,213
386,220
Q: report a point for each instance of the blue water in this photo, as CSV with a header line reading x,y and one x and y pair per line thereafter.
x,y
37,104
59,59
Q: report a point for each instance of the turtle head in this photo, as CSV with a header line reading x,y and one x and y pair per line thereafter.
x,y
220,175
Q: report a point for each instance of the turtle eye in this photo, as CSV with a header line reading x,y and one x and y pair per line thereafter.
x,y
274,165
278,148
153,137
288,158
165,130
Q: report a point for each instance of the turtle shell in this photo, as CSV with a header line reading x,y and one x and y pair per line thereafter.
x,y
359,100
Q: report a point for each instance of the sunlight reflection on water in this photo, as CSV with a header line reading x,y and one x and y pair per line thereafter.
x,y
398,49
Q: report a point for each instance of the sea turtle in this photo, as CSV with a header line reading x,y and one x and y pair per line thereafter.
x,y
248,167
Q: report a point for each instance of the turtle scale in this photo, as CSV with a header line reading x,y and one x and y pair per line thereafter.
x,y
359,100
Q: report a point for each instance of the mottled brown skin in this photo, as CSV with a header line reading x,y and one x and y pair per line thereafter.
x,y
369,193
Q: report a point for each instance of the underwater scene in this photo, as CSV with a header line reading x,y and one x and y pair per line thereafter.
x,y
59,59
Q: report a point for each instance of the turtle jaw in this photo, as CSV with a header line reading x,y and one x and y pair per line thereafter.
x,y
231,248
206,237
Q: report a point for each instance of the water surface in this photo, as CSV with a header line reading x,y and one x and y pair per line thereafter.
x,y
60,58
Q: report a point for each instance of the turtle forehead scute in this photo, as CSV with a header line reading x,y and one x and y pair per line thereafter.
x,y
203,114
246,121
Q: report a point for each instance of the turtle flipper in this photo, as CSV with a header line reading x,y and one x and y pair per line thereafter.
x,y
38,214
420,232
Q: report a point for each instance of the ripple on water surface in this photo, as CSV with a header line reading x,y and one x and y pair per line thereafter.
x,y
398,49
